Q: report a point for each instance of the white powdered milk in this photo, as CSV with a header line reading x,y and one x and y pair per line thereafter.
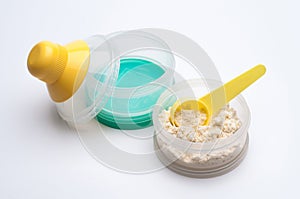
x,y
223,124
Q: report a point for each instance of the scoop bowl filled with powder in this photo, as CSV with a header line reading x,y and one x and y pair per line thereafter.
x,y
194,149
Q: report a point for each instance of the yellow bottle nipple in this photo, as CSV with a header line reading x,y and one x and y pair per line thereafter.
x,y
47,61
63,68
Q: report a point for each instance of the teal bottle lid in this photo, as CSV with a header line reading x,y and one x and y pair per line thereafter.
x,y
133,110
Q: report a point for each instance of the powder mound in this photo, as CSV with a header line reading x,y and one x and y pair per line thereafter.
x,y
223,124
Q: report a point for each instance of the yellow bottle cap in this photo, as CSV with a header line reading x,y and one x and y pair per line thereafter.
x,y
63,68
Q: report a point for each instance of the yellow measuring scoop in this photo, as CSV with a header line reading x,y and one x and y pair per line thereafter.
x,y
218,98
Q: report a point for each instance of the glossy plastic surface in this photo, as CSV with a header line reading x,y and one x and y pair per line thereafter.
x,y
127,73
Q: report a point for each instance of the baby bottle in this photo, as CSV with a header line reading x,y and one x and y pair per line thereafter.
x,y
115,78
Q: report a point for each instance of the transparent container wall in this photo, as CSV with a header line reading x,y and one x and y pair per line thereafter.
x,y
91,97
116,92
199,159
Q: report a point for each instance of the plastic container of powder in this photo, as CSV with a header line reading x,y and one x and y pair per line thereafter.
x,y
201,151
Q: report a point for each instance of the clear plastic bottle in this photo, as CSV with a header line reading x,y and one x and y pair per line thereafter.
x,y
115,78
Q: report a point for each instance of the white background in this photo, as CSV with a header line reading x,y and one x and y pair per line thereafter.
x,y
40,157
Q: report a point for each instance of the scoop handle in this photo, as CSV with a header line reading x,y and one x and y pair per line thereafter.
x,y
215,100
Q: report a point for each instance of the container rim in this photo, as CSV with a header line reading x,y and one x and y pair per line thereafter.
x,y
166,77
164,47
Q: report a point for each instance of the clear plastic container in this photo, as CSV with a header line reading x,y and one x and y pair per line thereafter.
x,y
127,72
200,160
